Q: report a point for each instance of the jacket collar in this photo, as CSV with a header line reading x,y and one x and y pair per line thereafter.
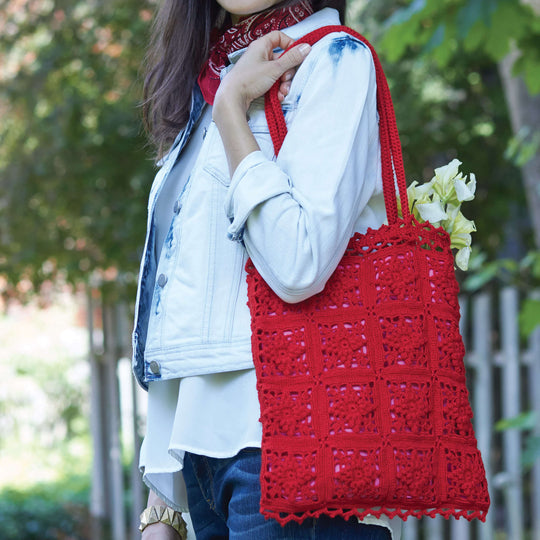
x,y
324,17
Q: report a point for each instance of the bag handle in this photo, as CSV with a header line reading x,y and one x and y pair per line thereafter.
x,y
391,156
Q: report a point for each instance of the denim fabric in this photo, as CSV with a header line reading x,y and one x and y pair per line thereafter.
x,y
223,498
292,214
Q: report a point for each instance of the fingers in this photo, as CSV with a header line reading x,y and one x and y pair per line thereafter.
x,y
293,57
284,88
279,40
290,59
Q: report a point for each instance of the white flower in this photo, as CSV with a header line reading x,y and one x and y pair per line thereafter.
x,y
439,202
463,225
432,212
420,192
462,258
465,192
443,181
460,240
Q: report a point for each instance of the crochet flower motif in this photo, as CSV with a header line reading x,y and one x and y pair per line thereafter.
x,y
411,408
414,477
297,477
285,354
287,412
352,408
395,278
356,472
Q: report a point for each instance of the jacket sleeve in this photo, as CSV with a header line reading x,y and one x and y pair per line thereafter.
x,y
296,214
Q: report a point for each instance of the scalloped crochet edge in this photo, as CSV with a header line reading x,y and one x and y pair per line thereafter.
x,y
299,517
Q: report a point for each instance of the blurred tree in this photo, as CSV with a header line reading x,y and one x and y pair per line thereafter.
x,y
74,179
454,110
73,169
507,32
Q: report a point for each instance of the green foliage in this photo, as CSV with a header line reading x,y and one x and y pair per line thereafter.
x,y
73,170
523,146
524,274
525,421
531,452
458,111
443,30
529,316
47,511
483,272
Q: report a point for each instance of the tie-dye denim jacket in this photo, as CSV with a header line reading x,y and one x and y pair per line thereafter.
x,y
292,214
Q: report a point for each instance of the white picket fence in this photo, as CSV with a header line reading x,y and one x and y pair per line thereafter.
x,y
503,381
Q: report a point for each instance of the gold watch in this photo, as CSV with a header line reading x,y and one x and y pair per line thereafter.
x,y
163,514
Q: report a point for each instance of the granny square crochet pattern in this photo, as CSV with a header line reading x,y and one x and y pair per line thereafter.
x,y
364,405
362,387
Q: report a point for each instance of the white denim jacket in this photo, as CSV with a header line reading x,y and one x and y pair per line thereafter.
x,y
292,214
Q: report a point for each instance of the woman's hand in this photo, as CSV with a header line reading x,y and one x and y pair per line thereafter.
x,y
258,69
252,76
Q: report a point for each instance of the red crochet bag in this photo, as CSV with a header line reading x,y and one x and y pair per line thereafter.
x,y
362,387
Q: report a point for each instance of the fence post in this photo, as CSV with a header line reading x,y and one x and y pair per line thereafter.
x,y
116,481
534,383
511,392
483,393
434,528
410,529
98,495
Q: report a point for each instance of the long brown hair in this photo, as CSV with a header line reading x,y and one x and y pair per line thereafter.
x,y
179,45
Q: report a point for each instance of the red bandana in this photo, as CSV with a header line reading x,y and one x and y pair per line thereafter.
x,y
241,35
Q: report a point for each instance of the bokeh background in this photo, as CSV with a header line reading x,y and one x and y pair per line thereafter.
x,y
75,173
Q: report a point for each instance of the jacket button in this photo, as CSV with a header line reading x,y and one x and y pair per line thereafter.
x,y
154,367
162,280
177,207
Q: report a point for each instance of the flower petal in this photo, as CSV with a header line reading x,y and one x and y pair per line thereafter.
x,y
472,183
463,191
460,240
432,212
462,258
447,172
463,225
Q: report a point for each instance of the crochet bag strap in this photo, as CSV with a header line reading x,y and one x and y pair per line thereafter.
x,y
391,157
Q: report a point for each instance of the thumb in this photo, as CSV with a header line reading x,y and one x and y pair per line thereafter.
x,y
293,57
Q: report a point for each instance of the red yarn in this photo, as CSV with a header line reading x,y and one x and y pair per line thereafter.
x,y
362,387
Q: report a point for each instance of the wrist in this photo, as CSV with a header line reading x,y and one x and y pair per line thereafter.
x,y
228,106
160,531
162,519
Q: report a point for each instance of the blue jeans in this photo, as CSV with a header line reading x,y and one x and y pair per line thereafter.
x,y
224,495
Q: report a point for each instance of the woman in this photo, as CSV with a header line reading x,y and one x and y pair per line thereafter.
x,y
220,197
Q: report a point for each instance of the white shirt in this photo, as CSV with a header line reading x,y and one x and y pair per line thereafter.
x,y
215,414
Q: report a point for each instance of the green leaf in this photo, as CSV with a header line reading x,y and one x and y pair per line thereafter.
x,y
531,74
476,281
509,22
436,39
523,421
471,12
476,38
403,15
531,452
529,316
397,39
